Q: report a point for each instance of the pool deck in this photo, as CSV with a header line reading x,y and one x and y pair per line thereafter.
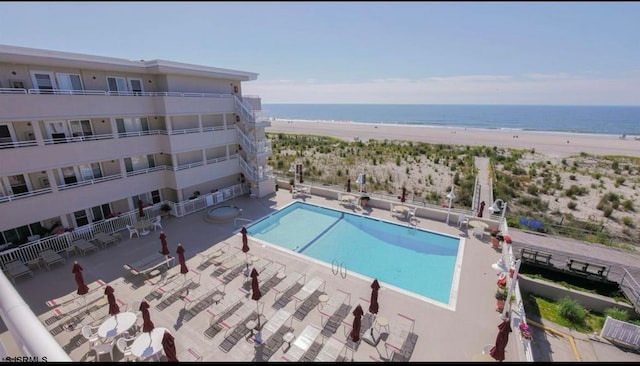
x,y
442,334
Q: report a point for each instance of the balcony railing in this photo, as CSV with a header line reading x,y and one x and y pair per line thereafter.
x,y
111,93
17,196
88,182
12,144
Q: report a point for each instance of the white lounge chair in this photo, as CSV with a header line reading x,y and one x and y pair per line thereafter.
x,y
331,350
400,332
332,306
284,286
190,355
213,252
302,343
274,323
309,289
93,286
219,309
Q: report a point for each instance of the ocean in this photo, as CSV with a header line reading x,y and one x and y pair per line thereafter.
x,y
609,120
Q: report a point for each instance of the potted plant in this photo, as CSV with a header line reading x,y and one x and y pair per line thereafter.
x,y
501,297
165,209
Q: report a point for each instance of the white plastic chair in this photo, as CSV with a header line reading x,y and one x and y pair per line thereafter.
x,y
462,221
156,223
103,349
132,230
88,333
124,347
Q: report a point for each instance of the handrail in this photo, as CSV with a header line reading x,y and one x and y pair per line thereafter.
x,y
235,221
32,338
343,274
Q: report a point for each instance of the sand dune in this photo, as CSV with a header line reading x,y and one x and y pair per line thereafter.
x,y
549,143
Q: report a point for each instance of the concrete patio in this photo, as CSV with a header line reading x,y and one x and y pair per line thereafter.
x,y
442,334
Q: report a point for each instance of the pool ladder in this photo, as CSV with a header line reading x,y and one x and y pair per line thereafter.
x,y
338,268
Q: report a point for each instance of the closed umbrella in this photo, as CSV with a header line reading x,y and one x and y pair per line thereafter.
x,y
404,195
140,211
169,347
497,352
83,289
163,241
355,331
147,324
255,291
301,180
245,240
349,185
481,209
183,263
373,306
111,298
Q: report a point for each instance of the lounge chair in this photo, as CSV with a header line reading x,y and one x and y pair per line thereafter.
x,y
177,283
148,264
213,252
274,323
190,355
292,279
308,289
228,301
93,286
193,296
302,343
401,339
337,305
104,239
50,257
331,350
229,255
240,315
83,246
16,269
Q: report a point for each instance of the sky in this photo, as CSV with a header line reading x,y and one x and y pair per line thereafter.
x,y
544,53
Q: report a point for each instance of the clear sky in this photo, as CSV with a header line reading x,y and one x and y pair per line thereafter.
x,y
575,53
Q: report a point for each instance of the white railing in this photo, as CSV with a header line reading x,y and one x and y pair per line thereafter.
x,y
149,170
188,166
256,175
185,131
32,338
6,145
17,196
89,182
78,139
111,93
261,147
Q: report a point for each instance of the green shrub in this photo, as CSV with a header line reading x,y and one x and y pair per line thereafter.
x,y
572,205
607,212
569,309
616,313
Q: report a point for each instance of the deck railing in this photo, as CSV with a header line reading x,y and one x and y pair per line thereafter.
x,y
59,243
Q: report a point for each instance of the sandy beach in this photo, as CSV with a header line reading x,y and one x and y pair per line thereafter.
x,y
550,143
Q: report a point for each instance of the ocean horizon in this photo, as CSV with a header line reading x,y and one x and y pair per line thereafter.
x,y
607,120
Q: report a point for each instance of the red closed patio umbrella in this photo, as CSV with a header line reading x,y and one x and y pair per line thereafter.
x,y
403,198
140,211
147,324
163,242
183,263
255,291
83,289
349,185
357,319
169,347
245,240
497,352
481,209
373,306
113,305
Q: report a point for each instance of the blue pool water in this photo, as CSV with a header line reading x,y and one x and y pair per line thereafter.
x,y
415,260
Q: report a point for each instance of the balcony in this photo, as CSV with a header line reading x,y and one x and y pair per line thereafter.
x,y
33,104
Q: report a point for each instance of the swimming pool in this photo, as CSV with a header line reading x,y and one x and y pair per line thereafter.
x,y
419,261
